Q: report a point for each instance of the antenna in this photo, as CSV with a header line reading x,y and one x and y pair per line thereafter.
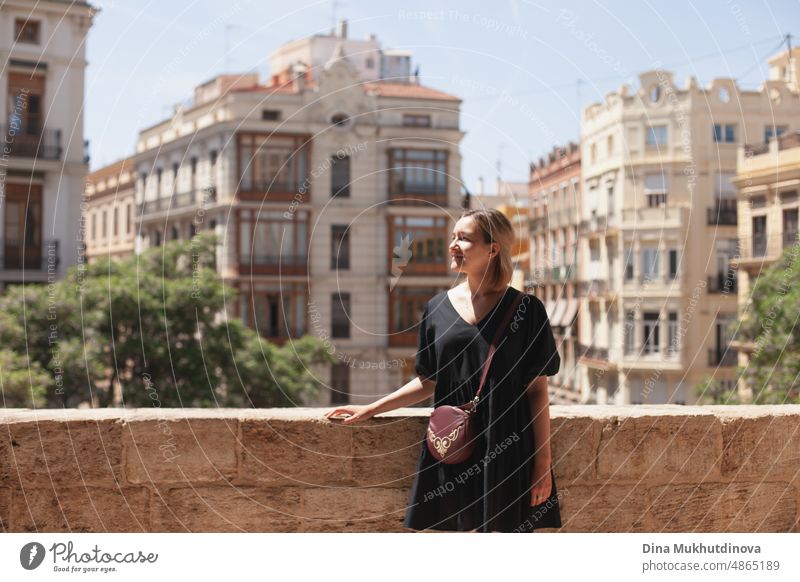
x,y
334,5
228,28
499,165
578,84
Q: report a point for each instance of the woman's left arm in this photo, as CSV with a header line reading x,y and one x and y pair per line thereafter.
x,y
539,401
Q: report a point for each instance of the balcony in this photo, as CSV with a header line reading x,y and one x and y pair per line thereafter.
x,y
718,357
30,258
761,248
592,352
599,225
210,475
275,191
722,283
45,145
273,264
401,192
180,201
656,218
723,213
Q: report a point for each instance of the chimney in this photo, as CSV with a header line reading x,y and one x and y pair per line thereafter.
x,y
342,32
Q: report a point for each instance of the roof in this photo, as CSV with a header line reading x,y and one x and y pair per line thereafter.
x,y
407,90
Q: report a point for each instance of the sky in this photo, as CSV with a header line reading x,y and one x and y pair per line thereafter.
x,y
523,69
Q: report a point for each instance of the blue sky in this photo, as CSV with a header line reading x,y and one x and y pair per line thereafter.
x,y
515,64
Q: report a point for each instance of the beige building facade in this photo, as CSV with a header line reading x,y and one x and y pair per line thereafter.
x,y
555,210
768,183
333,198
109,211
659,230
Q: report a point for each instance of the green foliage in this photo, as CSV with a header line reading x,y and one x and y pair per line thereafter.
x,y
770,322
709,391
152,328
21,386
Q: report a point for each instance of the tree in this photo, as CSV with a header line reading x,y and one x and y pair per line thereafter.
x,y
152,330
770,323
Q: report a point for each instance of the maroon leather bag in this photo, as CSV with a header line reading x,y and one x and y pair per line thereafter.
x,y
451,429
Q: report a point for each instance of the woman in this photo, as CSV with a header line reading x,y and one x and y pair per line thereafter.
x,y
508,484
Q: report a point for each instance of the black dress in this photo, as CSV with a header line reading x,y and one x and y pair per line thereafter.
x,y
491,490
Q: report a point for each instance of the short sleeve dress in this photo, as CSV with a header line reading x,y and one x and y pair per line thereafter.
x,y
490,491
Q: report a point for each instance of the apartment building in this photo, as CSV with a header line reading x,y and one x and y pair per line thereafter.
x,y
659,230
44,158
555,210
333,198
768,182
109,211
510,198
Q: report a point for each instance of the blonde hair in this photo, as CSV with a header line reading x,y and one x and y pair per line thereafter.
x,y
495,227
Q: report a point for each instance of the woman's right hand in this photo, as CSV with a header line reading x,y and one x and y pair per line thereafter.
x,y
354,412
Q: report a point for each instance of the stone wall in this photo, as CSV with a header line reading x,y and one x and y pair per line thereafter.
x,y
630,468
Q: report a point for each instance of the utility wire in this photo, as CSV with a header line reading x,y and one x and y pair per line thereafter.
x,y
576,84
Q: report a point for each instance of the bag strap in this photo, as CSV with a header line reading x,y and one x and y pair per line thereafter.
x,y
492,348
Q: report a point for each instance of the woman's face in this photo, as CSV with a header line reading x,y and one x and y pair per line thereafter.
x,y
469,253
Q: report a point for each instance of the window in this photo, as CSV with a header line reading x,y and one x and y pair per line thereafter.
x,y
415,120
418,242
673,263
594,250
212,156
340,383
771,131
417,172
789,227
724,133
629,264
759,236
103,224
22,220
672,333
610,145
650,266
193,170
128,218
407,305
268,239
115,225
157,238
275,310
340,120
273,163
655,188
94,225
657,135
25,103
651,339
630,332
270,115
340,315
340,176
340,246
723,187
26,31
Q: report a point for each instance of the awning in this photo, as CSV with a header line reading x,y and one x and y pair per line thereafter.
x,y
549,306
569,314
558,312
